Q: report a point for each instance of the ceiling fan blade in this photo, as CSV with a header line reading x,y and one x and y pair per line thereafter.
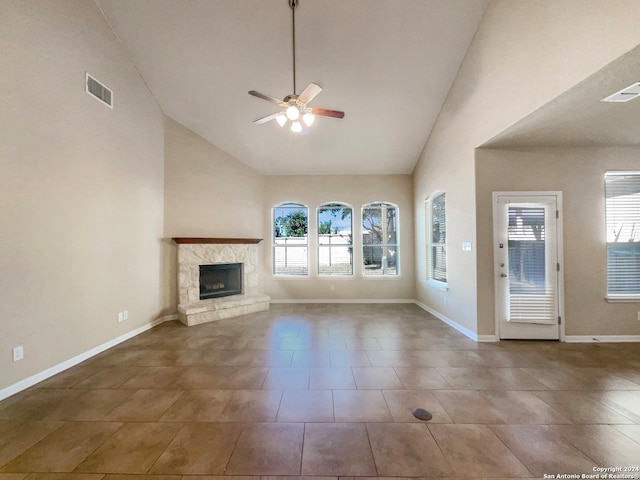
x,y
265,97
323,112
266,119
309,93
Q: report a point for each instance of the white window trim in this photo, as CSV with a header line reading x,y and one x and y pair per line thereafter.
x,y
429,280
437,284
318,246
620,297
396,245
623,298
288,276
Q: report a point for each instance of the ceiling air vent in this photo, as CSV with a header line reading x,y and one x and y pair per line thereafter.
x,y
99,91
624,95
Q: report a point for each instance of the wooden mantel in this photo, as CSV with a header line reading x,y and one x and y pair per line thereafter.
x,y
189,240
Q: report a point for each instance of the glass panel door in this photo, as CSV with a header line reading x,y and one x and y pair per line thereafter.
x,y
527,288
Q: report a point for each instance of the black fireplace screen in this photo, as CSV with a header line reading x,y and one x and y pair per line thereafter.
x,y
220,280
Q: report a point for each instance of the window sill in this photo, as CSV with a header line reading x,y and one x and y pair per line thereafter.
x,y
379,277
438,285
625,299
332,276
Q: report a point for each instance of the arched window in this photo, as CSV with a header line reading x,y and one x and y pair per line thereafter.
x,y
290,239
380,249
436,238
335,239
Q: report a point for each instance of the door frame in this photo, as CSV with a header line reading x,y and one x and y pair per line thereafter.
x,y
559,242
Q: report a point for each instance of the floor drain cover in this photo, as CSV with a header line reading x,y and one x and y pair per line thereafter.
x,y
422,414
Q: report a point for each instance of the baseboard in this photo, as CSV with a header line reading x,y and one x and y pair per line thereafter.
x,y
343,300
72,362
465,331
601,338
166,318
487,338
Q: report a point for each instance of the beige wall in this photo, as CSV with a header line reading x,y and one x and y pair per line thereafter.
x,y
208,193
82,188
524,54
579,174
355,191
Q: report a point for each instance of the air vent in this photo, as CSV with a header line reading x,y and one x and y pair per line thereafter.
x,y
99,91
624,95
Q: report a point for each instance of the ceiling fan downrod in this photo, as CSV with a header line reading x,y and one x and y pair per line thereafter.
x,y
293,108
293,4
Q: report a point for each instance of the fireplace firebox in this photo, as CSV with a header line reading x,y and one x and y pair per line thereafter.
x,y
220,280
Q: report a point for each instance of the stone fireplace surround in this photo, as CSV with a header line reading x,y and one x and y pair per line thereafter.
x,y
193,252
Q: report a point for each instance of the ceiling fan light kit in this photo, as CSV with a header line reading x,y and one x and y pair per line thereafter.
x,y
293,113
293,106
308,119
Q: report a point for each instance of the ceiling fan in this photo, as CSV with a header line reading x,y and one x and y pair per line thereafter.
x,y
293,108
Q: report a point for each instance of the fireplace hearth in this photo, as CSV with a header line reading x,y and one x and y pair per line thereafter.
x,y
220,280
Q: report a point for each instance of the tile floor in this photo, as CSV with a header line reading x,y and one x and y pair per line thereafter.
x,y
327,391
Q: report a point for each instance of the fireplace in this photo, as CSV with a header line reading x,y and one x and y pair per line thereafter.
x,y
245,296
220,280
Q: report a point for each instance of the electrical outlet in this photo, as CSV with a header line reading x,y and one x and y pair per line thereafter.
x,y
18,353
125,314
120,316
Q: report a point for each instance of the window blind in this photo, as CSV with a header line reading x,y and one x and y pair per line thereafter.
x,y
532,266
622,210
437,267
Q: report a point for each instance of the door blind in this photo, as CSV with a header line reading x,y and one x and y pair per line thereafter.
x,y
622,193
532,265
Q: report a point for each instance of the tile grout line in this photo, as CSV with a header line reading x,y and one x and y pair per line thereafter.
x,y
373,457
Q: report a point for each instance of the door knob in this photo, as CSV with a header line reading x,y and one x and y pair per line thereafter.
x,y
503,275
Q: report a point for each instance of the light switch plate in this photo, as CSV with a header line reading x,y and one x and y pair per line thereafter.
x,y
18,353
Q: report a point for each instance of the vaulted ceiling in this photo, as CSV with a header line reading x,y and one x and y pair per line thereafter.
x,y
388,64
578,117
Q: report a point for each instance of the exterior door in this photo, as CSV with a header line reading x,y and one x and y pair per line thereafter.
x,y
528,284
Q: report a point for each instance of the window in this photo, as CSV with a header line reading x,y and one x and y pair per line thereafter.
x,y
622,210
380,239
290,244
335,239
436,233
